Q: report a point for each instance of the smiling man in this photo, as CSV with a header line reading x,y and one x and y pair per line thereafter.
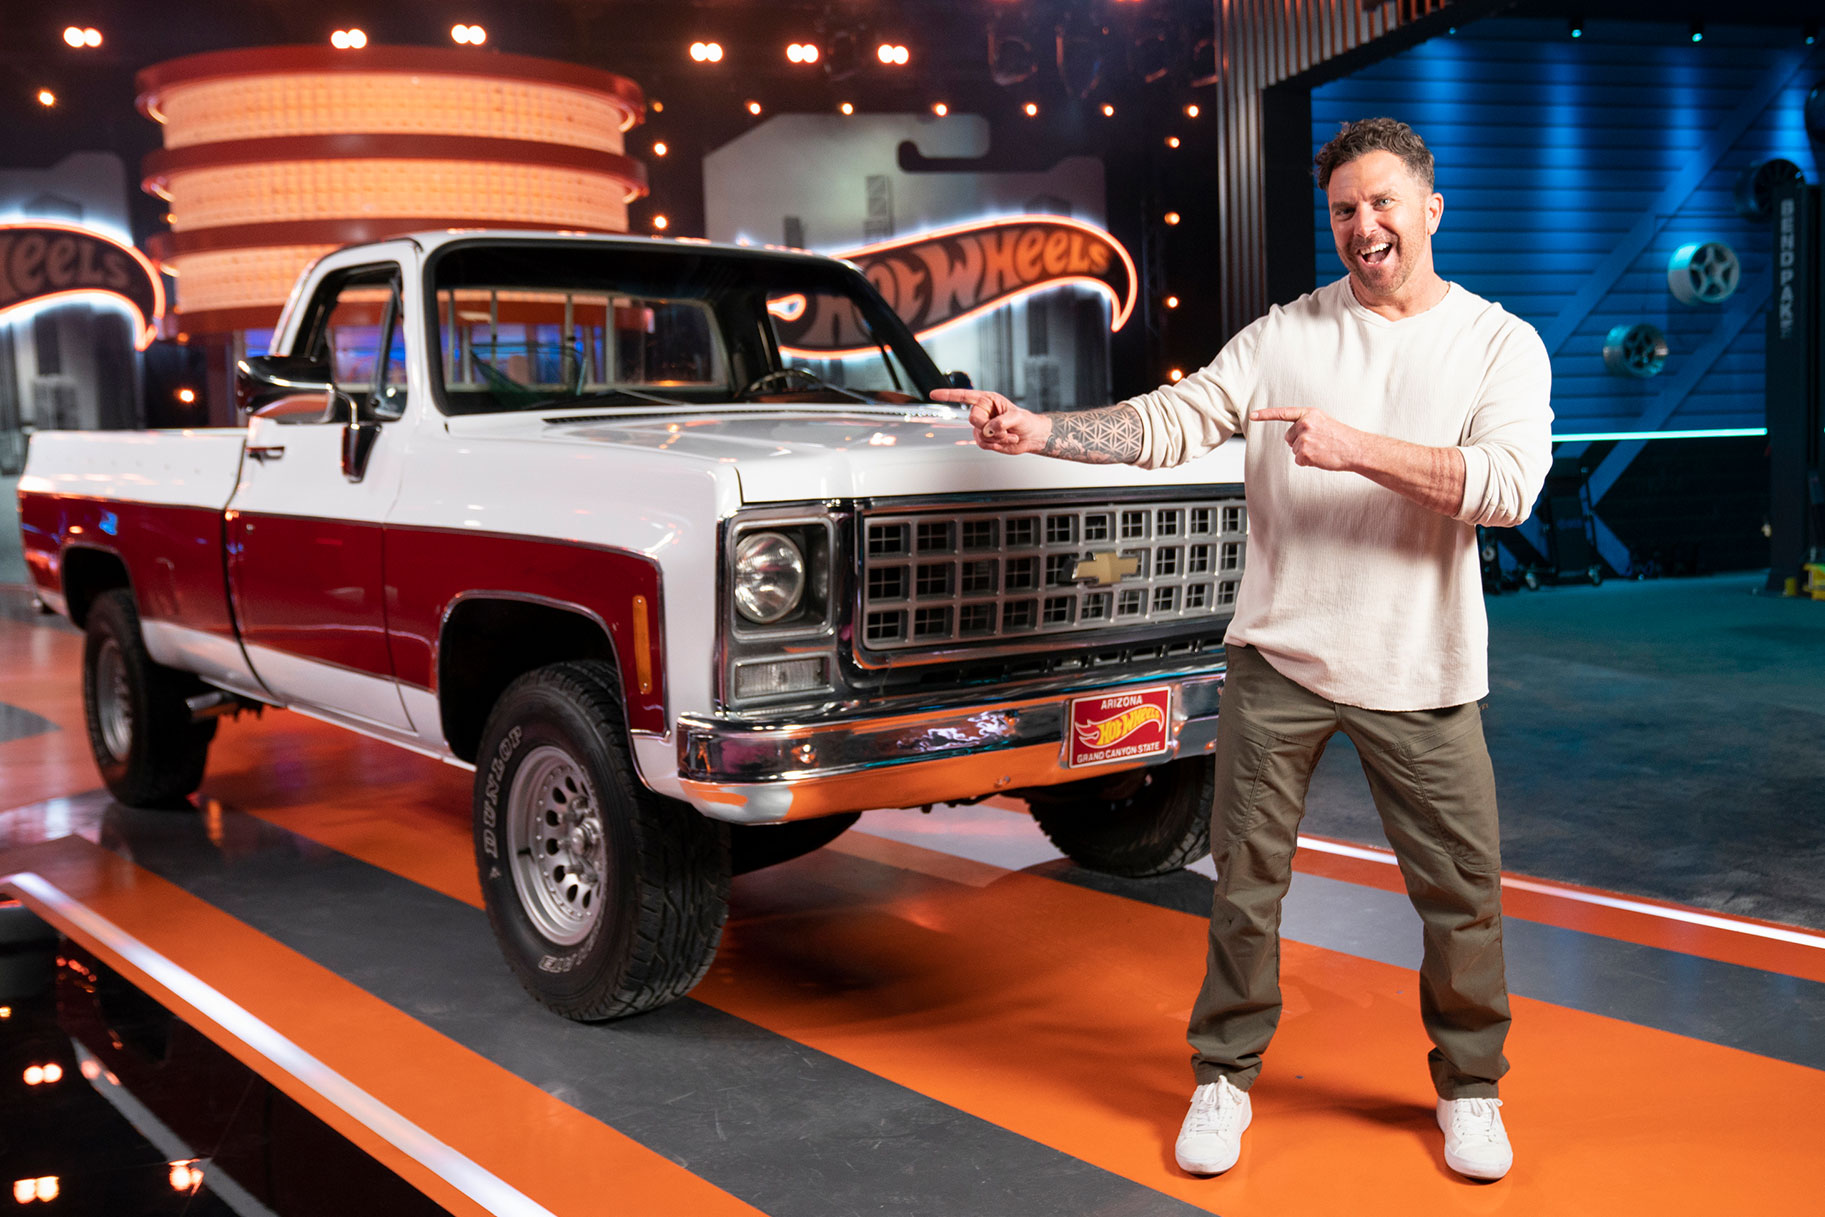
x,y
1387,414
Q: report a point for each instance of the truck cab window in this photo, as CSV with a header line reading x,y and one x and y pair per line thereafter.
x,y
359,333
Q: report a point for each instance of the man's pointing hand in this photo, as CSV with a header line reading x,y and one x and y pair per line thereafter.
x,y
1315,437
1001,426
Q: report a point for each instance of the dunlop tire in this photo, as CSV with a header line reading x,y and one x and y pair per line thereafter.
x,y
669,880
167,751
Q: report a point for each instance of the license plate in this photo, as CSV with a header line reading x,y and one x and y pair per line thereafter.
x,y
1118,726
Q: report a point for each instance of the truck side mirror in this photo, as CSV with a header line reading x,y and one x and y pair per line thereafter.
x,y
357,444
959,380
260,380
358,434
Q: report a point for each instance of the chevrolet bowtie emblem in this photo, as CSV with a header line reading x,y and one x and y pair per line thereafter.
x,y
1106,569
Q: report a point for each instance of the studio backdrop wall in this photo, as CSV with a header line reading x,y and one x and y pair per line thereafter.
x,y
1602,187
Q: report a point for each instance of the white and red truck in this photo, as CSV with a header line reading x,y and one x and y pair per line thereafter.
x,y
664,540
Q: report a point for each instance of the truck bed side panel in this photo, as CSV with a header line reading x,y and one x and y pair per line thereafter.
x,y
154,500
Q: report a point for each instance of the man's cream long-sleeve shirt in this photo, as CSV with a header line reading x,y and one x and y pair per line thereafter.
x,y
1352,591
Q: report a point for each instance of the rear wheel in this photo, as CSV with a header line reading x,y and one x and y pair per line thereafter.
x,y
606,899
1142,822
149,751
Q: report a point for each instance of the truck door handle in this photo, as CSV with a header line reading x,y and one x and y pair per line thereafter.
x,y
267,452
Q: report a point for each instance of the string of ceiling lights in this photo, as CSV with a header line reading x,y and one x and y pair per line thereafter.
x,y
1065,62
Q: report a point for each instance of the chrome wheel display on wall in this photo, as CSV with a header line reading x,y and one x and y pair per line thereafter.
x,y
1638,350
1704,273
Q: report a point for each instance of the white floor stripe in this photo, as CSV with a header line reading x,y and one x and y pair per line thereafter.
x,y
1690,917
472,1180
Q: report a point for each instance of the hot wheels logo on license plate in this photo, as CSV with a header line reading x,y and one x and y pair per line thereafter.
x,y
1118,726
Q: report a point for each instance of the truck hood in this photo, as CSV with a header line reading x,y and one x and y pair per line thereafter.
x,y
797,455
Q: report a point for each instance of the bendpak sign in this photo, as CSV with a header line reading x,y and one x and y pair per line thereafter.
x,y
42,260
938,279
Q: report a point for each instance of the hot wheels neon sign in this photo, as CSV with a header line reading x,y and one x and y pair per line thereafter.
x,y
939,279
43,260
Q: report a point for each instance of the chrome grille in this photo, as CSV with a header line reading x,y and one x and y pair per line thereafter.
x,y
933,579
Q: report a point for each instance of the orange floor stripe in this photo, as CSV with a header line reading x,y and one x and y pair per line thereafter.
x,y
1058,1013
499,1121
1645,929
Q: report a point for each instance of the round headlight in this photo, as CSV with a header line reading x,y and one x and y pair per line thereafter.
x,y
769,577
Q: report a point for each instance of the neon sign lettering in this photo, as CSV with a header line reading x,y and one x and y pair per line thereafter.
x,y
43,260
939,279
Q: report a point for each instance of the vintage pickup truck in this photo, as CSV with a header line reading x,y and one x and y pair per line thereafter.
x,y
664,540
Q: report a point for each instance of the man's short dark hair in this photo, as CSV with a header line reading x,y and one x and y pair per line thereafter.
x,y
1376,135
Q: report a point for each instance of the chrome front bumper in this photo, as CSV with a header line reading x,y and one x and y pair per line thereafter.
x,y
764,773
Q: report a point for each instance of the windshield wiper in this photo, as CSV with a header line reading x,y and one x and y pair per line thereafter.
x,y
580,399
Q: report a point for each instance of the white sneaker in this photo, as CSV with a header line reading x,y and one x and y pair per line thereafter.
x,y
1476,1144
1210,1140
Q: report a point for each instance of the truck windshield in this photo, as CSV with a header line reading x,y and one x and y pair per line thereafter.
x,y
524,325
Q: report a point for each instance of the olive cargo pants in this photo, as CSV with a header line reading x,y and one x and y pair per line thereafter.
x,y
1431,780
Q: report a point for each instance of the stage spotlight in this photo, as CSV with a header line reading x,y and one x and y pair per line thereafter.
x,y
1698,31
1204,63
802,52
1031,109
841,57
660,148
892,54
754,108
940,109
847,108
1172,302
1576,25
706,52
1172,141
46,98
1809,33
1192,110
1108,110
1172,218
661,223
1080,62
1151,57
1011,58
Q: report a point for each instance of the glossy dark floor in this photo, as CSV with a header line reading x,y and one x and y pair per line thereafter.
x,y
116,1106
935,1014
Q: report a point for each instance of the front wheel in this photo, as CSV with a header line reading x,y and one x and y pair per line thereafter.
x,y
149,751
1139,823
606,899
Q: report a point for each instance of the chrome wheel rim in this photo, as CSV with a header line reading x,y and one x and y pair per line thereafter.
x,y
113,700
559,850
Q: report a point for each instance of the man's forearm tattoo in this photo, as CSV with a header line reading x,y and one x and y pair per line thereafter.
x,y
1110,436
